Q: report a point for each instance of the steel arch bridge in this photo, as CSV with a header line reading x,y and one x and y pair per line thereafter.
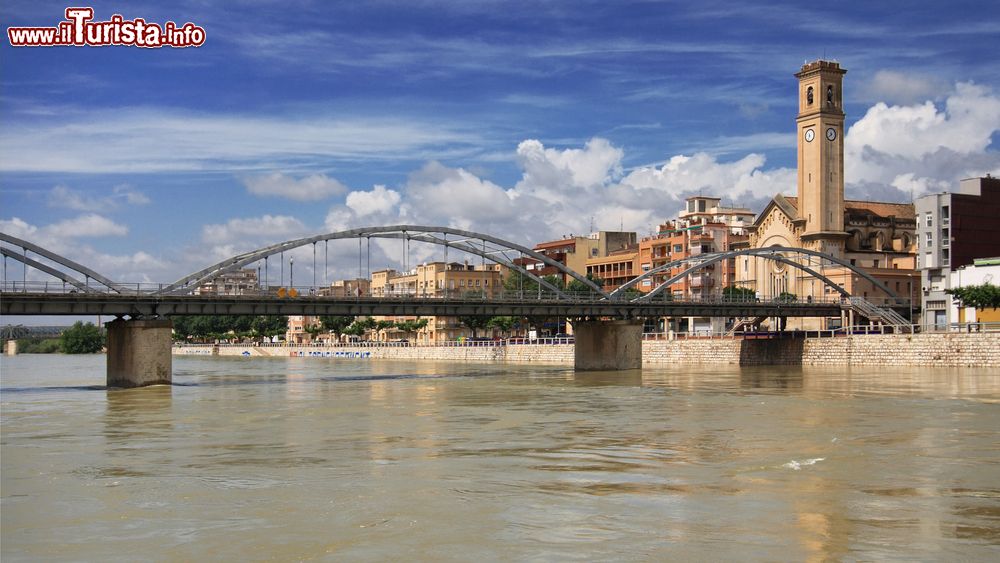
x,y
489,247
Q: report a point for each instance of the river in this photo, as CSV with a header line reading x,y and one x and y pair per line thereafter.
x,y
328,459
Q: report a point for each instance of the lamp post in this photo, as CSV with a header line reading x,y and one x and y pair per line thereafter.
x,y
291,273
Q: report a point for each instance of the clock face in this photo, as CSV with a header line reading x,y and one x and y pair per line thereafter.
x,y
810,134
831,134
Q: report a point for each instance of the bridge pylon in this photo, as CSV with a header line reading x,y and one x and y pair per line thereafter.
x,y
139,352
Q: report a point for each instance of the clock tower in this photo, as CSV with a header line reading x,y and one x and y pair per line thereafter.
x,y
820,127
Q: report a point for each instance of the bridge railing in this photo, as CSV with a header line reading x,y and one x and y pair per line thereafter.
x,y
309,293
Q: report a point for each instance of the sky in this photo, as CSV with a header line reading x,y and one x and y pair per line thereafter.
x,y
525,120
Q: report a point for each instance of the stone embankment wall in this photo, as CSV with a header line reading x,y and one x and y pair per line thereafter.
x,y
943,350
558,354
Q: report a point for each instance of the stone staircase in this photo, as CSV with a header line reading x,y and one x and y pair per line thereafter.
x,y
744,322
884,315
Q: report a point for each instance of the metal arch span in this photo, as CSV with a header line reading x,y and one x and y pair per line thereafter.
x,y
409,232
769,253
48,270
58,260
776,257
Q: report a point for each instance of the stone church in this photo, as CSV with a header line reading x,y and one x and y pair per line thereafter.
x,y
877,237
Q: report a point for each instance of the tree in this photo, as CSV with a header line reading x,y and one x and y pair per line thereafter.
x,y
737,293
269,326
336,324
474,322
82,339
360,327
381,326
411,326
579,288
503,324
985,296
313,331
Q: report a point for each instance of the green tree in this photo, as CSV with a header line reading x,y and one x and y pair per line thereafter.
x,y
381,326
360,327
37,345
985,296
475,322
336,324
503,324
82,339
737,293
577,287
269,326
411,326
786,297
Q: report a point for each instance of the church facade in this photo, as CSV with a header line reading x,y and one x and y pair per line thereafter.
x,y
878,237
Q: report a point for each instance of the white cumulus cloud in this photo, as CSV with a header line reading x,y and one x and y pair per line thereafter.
x,y
925,146
379,200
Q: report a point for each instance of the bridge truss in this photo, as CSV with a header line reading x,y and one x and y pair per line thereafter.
x,y
494,249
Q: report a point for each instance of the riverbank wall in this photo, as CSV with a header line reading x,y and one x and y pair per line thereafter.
x,y
934,349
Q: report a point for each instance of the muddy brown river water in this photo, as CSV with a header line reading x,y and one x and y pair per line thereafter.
x,y
347,460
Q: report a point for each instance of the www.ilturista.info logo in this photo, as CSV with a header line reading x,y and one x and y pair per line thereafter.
x,y
79,30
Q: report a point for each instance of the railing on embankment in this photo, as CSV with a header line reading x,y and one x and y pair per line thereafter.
x,y
943,349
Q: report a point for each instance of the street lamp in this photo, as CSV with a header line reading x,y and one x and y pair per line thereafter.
x,y
291,272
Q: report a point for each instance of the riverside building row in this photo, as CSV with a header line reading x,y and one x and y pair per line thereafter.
x,y
910,250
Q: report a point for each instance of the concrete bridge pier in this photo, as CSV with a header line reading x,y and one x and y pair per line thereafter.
x,y
608,345
139,352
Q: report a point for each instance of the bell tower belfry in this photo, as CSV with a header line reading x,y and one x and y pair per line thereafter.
x,y
820,127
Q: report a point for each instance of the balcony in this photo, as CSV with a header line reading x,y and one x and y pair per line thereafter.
x,y
702,281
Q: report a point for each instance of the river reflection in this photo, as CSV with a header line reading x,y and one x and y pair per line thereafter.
x,y
306,458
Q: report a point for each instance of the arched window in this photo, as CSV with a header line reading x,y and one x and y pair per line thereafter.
x,y
809,95
829,95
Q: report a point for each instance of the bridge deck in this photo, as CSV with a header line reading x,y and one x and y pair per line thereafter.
x,y
149,305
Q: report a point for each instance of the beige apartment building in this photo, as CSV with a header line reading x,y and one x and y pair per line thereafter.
x,y
239,282
437,280
575,251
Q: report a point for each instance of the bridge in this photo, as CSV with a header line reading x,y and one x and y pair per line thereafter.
x,y
606,324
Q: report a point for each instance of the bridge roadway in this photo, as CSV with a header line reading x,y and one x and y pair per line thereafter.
x,y
146,306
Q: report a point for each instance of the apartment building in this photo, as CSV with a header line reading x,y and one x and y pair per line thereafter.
x,y
440,280
575,251
239,282
954,229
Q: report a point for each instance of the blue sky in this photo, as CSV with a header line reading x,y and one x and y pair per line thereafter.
x,y
524,120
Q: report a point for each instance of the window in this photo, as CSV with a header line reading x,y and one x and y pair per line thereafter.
x,y
461,283
486,283
930,239
929,219
477,283
944,237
